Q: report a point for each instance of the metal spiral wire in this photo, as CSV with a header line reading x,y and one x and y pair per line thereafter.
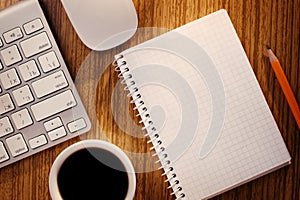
x,y
133,92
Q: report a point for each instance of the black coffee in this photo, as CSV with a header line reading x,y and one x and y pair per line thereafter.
x,y
86,175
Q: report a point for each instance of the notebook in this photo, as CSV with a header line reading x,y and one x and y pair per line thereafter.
x,y
202,108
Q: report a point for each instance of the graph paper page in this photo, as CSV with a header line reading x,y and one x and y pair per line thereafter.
x,y
207,106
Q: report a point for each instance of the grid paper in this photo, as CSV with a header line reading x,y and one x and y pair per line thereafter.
x,y
250,143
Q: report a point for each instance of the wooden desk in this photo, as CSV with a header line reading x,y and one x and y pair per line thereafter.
x,y
258,22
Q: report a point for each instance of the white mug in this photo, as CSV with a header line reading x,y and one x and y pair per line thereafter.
x,y
84,144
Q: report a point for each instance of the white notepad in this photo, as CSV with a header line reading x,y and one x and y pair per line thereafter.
x,y
203,108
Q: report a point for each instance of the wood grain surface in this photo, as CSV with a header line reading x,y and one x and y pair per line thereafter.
x,y
257,22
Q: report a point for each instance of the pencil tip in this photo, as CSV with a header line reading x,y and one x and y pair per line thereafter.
x,y
268,47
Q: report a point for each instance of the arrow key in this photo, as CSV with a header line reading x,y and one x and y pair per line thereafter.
x,y
37,141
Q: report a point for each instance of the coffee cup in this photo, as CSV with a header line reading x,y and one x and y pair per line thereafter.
x,y
92,169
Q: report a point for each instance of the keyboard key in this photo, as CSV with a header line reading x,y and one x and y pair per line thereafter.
x,y
53,105
37,141
1,43
3,154
53,124
22,119
13,35
57,133
16,145
35,44
49,62
33,26
6,104
5,127
11,55
76,125
23,95
10,79
29,70
1,66
50,84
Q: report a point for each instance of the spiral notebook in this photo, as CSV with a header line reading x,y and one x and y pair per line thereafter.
x,y
202,108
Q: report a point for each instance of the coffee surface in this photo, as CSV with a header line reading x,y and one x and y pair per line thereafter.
x,y
92,173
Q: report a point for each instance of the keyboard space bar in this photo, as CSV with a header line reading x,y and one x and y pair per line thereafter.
x,y
53,105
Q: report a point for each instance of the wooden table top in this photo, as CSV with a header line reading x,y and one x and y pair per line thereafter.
x,y
257,23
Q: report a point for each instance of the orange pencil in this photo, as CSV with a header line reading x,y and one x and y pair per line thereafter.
x,y
283,82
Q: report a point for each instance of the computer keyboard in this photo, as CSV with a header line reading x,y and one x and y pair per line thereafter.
x,y
39,104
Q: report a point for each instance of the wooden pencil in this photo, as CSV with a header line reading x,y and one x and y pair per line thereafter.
x,y
284,84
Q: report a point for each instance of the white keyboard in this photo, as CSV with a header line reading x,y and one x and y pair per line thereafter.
x,y
39,104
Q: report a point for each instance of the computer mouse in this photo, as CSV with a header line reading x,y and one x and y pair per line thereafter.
x,y
102,24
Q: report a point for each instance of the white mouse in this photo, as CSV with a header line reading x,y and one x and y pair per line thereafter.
x,y
102,24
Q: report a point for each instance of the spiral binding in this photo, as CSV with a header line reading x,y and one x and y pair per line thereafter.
x,y
130,86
